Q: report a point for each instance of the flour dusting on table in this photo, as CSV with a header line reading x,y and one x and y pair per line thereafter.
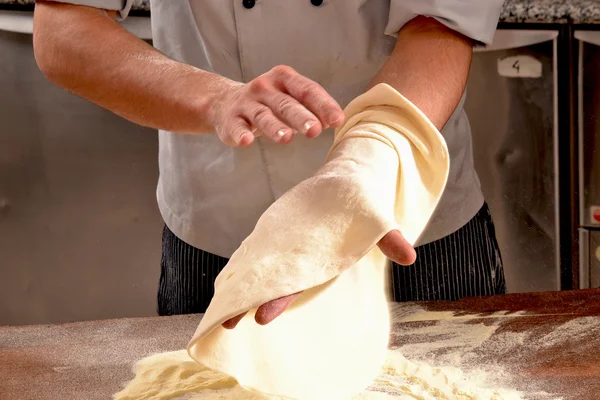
x,y
472,348
433,356
175,375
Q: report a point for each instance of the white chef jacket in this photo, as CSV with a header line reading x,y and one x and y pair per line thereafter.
x,y
211,195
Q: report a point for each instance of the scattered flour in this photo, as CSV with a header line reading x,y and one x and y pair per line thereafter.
x,y
416,380
175,375
434,356
449,342
472,346
423,315
575,329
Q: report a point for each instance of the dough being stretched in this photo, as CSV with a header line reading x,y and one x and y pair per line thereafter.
x,y
386,170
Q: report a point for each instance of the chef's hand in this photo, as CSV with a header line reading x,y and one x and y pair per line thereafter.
x,y
393,245
278,104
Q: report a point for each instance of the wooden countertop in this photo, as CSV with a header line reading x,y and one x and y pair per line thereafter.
x,y
542,342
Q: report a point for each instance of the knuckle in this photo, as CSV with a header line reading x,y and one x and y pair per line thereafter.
x,y
237,126
236,129
307,94
283,71
227,138
258,114
258,85
285,104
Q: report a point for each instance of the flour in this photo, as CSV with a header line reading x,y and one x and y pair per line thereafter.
x,y
423,315
576,329
175,375
450,343
402,377
473,348
430,364
433,356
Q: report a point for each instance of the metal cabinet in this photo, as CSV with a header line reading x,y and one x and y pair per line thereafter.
x,y
79,225
512,107
589,158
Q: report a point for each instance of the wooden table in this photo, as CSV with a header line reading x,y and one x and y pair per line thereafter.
x,y
547,341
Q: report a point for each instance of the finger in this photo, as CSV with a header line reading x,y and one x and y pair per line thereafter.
x,y
312,96
273,309
397,249
293,114
264,120
236,133
232,323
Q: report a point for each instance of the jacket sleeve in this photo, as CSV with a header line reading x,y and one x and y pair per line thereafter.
x,y
122,6
476,19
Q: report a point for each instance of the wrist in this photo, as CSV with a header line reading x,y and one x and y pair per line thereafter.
x,y
199,96
218,92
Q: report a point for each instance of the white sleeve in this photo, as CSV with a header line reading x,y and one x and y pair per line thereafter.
x,y
476,19
122,6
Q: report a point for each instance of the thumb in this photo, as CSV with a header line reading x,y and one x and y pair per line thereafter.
x,y
396,248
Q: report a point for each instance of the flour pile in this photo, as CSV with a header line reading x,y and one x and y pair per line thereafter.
x,y
175,375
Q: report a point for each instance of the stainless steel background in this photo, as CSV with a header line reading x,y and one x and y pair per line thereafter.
x,y
594,259
589,166
590,125
79,226
589,246
512,120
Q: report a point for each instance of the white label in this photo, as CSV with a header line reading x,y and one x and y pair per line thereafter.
x,y
520,67
595,215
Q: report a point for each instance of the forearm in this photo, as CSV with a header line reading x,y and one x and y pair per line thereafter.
x,y
429,66
87,52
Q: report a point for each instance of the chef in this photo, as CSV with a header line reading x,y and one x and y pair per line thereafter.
x,y
246,95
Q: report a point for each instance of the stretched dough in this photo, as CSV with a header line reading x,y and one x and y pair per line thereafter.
x,y
387,169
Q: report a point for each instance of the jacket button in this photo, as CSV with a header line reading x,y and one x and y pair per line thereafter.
x,y
248,3
316,3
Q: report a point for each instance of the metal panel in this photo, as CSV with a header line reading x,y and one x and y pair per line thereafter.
x,y
79,226
589,131
514,126
594,259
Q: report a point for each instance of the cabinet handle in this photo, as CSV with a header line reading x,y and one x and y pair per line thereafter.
x,y
584,259
22,22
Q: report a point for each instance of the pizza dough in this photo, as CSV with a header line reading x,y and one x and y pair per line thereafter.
x,y
387,169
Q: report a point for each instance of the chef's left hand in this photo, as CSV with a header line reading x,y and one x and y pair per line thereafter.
x,y
393,245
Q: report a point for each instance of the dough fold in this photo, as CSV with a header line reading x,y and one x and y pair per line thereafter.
x,y
386,170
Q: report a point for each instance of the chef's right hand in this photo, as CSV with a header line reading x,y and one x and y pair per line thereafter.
x,y
277,104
